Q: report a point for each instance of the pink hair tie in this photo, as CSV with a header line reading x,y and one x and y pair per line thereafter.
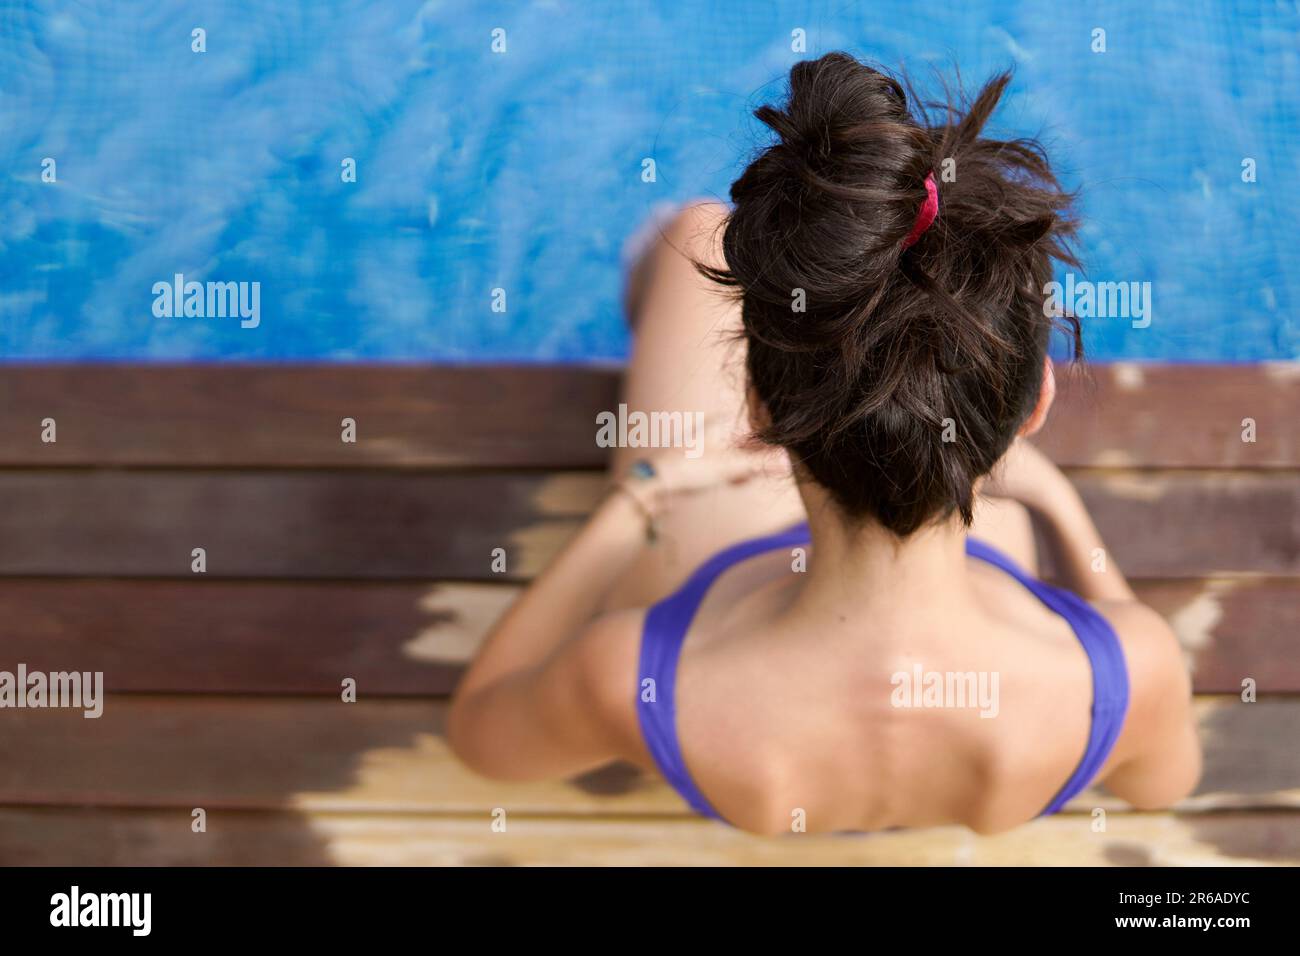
x,y
929,212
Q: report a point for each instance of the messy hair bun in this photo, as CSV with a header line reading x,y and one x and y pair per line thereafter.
x,y
894,375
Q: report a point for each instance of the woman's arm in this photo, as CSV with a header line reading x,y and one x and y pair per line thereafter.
x,y
541,698
1080,557
552,689
563,598
1158,757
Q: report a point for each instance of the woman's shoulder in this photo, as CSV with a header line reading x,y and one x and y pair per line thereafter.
x,y
1152,654
603,660
1159,735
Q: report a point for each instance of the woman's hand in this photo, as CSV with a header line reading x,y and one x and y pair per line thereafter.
x,y
669,474
1025,475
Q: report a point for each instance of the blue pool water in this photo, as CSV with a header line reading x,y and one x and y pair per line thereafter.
x,y
522,170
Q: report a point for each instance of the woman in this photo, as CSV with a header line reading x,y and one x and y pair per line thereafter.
x,y
829,620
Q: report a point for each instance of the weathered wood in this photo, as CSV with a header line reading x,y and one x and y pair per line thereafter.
x,y
389,756
249,637
288,524
82,837
1124,414
303,637
423,525
313,780
259,753
1234,628
290,415
1132,415
1187,524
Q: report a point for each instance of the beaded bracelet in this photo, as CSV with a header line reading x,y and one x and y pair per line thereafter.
x,y
641,470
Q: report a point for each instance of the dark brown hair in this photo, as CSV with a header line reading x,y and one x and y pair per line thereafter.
x,y
893,341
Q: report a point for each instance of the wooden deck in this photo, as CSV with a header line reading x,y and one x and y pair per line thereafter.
x,y
371,561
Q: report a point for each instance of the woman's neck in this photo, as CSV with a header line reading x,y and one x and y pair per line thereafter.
x,y
855,563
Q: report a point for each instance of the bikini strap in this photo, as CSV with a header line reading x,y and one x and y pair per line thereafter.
x,y
1110,685
666,624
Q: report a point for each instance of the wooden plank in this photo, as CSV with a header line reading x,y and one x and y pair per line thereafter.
x,y
88,837
290,415
249,637
1233,629
306,753
1132,415
390,756
1123,414
1172,524
414,638
423,525
288,524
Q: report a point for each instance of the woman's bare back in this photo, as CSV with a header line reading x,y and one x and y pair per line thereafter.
x,y
786,716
